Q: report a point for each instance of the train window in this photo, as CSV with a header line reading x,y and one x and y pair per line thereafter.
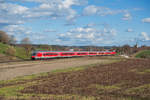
x,y
92,53
67,53
50,54
34,54
81,53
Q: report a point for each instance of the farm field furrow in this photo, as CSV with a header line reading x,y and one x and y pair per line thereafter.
x,y
128,78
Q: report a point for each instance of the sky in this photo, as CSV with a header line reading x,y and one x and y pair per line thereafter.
x,y
77,22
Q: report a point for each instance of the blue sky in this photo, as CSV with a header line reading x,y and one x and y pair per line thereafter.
x,y
77,22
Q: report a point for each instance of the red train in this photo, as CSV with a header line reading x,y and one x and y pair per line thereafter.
x,y
56,54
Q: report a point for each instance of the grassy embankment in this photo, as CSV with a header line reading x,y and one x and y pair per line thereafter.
x,y
125,80
19,51
143,54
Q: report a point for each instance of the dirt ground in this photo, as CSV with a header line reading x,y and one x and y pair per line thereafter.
x,y
129,78
15,69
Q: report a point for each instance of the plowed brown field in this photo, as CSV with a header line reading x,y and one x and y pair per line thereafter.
x,y
127,79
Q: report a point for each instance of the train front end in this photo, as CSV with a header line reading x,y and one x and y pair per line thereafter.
x,y
36,55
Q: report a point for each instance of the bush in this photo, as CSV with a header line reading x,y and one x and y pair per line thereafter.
x,y
10,51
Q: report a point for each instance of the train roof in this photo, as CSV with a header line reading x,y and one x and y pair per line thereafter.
x,y
70,51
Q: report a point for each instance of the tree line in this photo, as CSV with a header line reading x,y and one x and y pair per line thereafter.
x,y
26,44
7,39
11,40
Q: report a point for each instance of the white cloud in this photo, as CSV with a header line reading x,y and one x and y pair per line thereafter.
x,y
145,35
100,11
91,25
36,37
49,30
129,30
55,9
79,36
12,13
146,20
3,21
1,0
13,8
137,9
44,6
90,10
17,29
82,30
68,3
72,15
127,16
103,11
37,1
113,32
88,35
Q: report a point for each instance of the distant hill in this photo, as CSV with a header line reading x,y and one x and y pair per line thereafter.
x,y
66,48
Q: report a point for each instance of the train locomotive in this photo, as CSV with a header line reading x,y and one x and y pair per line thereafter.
x,y
58,54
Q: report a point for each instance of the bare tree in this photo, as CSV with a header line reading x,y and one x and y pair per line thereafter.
x,y
26,43
4,37
126,49
12,39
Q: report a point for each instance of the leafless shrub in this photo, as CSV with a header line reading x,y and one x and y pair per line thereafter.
x,y
10,51
27,45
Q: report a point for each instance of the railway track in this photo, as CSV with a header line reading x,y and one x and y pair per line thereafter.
x,y
20,68
28,60
50,59
44,60
14,61
24,63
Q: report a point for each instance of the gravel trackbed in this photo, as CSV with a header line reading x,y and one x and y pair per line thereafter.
x,y
12,70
